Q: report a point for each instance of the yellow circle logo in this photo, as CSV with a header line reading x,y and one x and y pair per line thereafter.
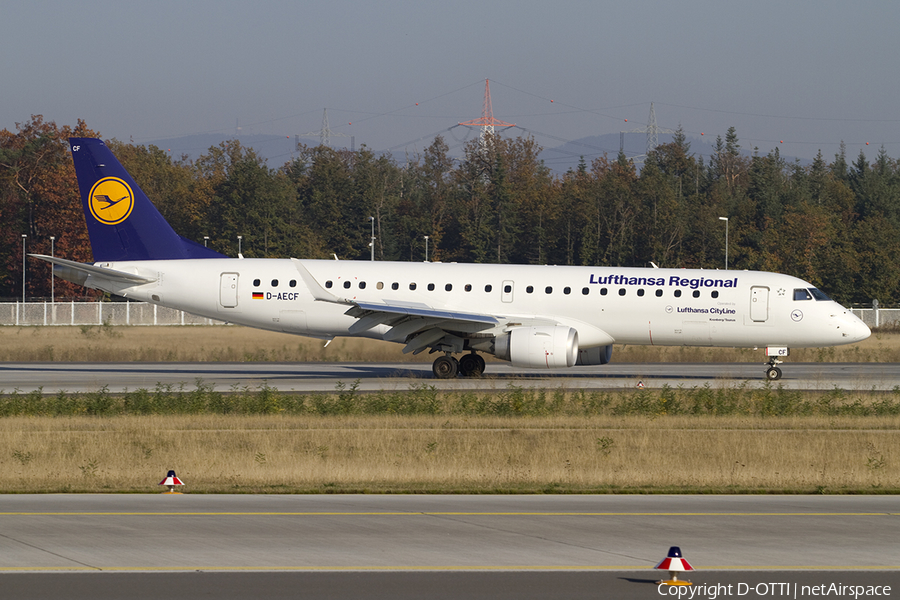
x,y
111,200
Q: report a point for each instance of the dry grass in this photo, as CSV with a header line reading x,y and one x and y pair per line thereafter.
x,y
241,344
183,344
455,454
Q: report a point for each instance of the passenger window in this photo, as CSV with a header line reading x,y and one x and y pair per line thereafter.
x,y
567,291
529,289
448,287
395,286
274,283
379,285
696,293
640,292
347,285
468,287
256,282
507,289
362,285
677,293
293,283
603,291
802,295
621,291
585,291
328,283
430,287
412,286
659,293
548,290
715,293
488,287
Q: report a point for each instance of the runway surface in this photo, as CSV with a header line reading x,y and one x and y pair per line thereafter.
x,y
357,546
52,378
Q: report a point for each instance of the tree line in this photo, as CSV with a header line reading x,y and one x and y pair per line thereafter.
x,y
835,224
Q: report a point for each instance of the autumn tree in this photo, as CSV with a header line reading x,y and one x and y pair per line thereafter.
x,y
39,198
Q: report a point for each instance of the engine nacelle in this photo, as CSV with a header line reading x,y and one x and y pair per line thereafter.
x,y
549,347
599,355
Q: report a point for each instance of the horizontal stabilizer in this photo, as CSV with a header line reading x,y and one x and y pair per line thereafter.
x,y
110,274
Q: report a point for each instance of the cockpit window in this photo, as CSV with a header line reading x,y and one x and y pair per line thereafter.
x,y
801,294
819,295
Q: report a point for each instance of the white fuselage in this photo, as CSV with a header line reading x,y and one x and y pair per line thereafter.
x,y
604,304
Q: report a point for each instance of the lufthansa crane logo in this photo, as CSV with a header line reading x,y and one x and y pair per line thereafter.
x,y
111,200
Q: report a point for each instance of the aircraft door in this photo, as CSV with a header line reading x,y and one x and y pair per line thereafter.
x,y
759,304
506,293
228,290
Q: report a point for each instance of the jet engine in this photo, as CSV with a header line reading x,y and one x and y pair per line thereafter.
x,y
598,355
549,347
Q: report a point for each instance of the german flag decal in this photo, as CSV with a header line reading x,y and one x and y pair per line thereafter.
x,y
258,295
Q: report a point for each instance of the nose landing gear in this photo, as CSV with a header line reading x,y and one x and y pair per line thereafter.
x,y
773,373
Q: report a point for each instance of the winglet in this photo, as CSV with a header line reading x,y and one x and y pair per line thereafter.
x,y
122,222
315,288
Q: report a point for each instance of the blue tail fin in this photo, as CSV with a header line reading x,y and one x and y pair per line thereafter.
x,y
122,222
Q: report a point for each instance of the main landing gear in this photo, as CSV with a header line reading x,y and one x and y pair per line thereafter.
x,y
447,367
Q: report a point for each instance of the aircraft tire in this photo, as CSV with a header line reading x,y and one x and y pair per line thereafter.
x,y
471,365
445,367
773,374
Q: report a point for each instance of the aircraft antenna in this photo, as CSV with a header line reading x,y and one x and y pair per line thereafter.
x,y
325,134
487,122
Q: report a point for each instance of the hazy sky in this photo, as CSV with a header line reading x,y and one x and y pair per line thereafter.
x,y
808,73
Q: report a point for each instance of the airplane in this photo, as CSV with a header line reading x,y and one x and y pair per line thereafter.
x,y
536,316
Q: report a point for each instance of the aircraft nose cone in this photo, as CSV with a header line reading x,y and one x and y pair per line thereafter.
x,y
854,329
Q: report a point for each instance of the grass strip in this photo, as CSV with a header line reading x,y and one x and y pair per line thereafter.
x,y
425,399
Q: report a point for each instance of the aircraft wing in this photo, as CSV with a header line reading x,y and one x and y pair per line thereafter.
x,y
70,267
418,324
423,310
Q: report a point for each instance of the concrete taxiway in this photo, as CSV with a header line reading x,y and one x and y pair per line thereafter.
x,y
79,533
460,585
444,547
52,378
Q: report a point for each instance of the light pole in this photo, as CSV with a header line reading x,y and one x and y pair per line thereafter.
x,y
23,267
726,240
426,248
52,286
372,243
240,237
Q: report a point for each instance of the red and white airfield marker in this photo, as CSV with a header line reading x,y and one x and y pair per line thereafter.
x,y
674,563
171,481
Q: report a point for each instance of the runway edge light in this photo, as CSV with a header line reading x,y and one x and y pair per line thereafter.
x,y
171,481
674,563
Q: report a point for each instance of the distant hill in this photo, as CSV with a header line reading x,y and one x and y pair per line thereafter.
x,y
567,156
278,150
